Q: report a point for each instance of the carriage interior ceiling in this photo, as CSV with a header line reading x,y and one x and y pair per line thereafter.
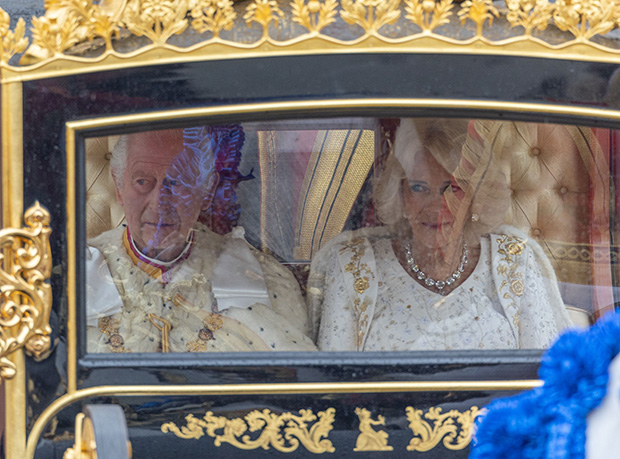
x,y
297,225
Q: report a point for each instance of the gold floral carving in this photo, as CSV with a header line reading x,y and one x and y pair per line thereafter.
x,y
263,12
428,14
433,427
56,35
25,296
479,11
314,15
157,20
371,15
370,439
586,18
12,41
69,22
296,429
213,16
68,26
529,14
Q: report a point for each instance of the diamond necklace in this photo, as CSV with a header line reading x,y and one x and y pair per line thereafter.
x,y
430,282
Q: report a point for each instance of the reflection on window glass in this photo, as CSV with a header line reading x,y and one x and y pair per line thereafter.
x,y
348,235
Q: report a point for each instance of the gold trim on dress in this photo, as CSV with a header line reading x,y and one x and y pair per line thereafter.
x,y
510,246
360,285
282,432
442,427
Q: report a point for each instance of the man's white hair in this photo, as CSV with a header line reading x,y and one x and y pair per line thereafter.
x,y
198,139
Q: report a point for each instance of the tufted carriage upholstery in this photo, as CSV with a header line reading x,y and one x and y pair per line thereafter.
x,y
103,212
559,180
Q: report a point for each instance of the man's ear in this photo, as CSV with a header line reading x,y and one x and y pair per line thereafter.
x,y
119,198
212,183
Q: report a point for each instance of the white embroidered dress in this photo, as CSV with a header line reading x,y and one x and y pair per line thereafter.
x,y
176,311
363,299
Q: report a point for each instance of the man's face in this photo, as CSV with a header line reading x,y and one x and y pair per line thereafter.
x,y
160,194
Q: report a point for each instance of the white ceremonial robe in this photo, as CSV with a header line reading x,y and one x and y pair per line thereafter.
x,y
177,309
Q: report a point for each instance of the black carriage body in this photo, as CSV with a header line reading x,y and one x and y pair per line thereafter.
x,y
232,385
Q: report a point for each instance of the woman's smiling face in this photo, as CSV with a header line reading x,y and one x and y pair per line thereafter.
x,y
423,191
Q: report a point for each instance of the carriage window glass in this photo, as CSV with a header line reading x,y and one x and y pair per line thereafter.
x,y
348,234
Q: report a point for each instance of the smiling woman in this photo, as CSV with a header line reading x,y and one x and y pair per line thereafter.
x,y
431,281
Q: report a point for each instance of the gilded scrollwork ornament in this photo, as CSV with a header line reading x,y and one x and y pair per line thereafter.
x,y
157,20
25,296
433,427
282,432
314,15
529,14
213,16
370,439
479,11
13,41
586,18
263,12
428,14
371,15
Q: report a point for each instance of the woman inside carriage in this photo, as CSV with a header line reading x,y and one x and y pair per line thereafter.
x,y
443,273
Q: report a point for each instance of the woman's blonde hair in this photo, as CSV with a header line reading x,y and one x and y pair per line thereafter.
x,y
483,177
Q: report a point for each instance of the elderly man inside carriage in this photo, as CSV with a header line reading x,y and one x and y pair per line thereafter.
x,y
164,282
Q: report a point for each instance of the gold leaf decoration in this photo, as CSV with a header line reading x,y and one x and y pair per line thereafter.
x,y
370,439
530,14
25,297
478,11
270,425
69,22
157,20
263,12
13,42
586,18
371,15
442,426
428,14
314,15
69,25
213,16
93,21
55,34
